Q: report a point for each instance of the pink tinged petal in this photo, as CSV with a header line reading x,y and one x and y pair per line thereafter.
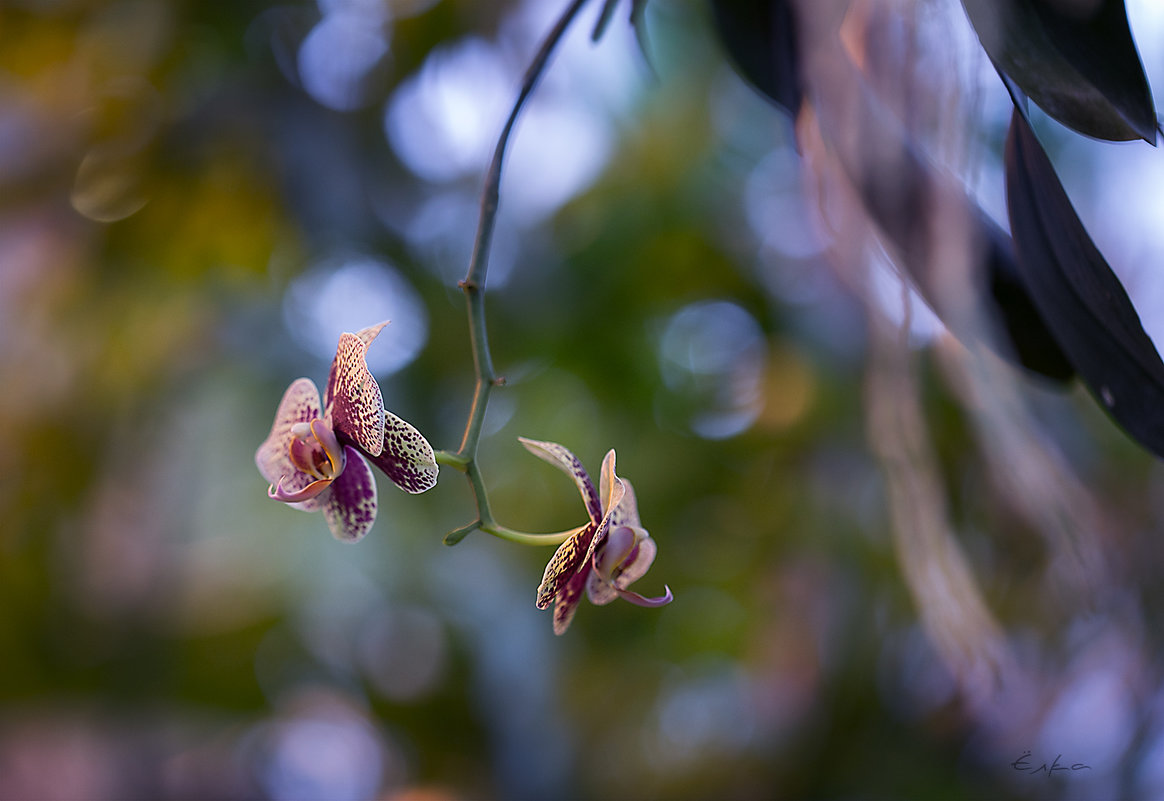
x,y
627,513
567,604
615,497
650,603
620,542
568,463
300,404
637,562
406,457
299,496
368,334
350,507
611,488
618,546
570,557
599,590
353,403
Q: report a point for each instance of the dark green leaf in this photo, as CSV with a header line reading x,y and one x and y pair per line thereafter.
x,y
1081,68
1079,296
760,36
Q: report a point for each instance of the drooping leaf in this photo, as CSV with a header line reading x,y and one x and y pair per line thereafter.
x,y
1081,299
1034,345
1078,62
760,36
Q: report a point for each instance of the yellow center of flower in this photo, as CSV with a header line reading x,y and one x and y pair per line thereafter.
x,y
315,450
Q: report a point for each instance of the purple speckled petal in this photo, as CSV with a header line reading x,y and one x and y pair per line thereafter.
x,y
300,404
611,501
352,402
566,562
350,507
567,604
406,456
567,462
574,556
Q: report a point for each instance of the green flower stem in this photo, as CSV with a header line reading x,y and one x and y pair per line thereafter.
x,y
453,460
557,538
465,459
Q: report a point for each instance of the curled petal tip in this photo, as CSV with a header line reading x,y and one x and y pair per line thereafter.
x,y
307,493
639,600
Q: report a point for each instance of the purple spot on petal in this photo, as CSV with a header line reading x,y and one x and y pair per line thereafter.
x,y
351,507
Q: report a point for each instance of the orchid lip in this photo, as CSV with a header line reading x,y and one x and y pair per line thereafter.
x,y
315,450
331,446
307,493
640,600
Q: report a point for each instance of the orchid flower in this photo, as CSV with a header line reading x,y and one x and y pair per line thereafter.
x,y
604,556
316,457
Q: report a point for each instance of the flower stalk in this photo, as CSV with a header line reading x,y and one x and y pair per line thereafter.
x,y
473,285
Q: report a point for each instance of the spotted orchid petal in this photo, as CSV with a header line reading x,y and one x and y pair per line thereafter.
x,y
575,554
566,561
614,490
350,506
353,404
567,604
567,462
300,405
406,457
624,558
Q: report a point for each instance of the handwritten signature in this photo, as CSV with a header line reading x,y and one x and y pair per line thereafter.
x,y
1025,765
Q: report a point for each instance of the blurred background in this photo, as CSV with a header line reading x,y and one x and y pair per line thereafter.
x,y
197,198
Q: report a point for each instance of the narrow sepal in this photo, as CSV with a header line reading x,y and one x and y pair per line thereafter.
x,y
352,402
350,507
627,511
560,457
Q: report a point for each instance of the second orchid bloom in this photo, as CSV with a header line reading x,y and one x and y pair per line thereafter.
x,y
604,556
